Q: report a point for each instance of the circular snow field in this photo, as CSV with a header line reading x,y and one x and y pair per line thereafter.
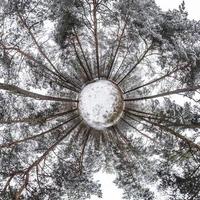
x,y
101,104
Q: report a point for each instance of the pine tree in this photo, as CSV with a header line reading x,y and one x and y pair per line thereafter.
x,y
50,50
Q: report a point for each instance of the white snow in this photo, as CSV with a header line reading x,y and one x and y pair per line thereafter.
x,y
101,104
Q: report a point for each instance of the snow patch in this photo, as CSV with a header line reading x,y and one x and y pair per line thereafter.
x,y
101,104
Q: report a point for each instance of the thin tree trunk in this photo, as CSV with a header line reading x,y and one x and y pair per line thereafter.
x,y
167,122
37,162
136,64
43,53
30,57
117,49
155,80
146,113
80,61
85,59
174,133
35,119
117,74
96,36
83,149
145,135
7,145
16,90
189,89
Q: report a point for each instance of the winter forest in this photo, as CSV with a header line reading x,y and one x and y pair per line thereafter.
x,y
89,86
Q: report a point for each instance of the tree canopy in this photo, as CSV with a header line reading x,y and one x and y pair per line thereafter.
x,y
51,49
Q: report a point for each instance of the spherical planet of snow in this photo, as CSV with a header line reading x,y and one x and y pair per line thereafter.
x,y
101,104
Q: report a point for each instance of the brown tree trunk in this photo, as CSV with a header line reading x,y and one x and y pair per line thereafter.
x,y
16,90
189,89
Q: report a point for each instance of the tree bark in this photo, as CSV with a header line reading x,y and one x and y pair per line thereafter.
x,y
174,133
16,90
136,64
117,49
155,80
37,162
7,145
35,119
189,89
96,36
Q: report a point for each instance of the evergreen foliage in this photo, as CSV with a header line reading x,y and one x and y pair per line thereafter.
x,y
49,49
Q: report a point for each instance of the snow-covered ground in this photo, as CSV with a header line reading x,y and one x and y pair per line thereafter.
x,y
101,104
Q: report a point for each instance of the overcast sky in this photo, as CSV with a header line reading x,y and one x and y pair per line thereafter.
x,y
110,191
192,6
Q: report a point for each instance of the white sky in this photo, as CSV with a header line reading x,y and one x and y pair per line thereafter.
x,y
110,191
192,6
